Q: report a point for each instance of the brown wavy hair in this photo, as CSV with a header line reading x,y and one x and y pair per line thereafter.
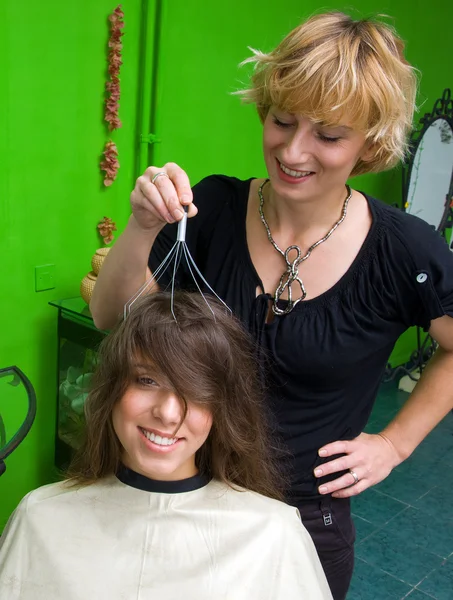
x,y
207,358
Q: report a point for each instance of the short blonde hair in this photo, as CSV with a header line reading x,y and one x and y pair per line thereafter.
x,y
332,68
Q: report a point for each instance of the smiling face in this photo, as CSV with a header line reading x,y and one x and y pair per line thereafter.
x,y
145,421
306,159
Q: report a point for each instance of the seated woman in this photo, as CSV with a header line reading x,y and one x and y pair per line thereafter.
x,y
172,492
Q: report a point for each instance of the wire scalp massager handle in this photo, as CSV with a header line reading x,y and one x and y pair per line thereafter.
x,y
182,226
179,252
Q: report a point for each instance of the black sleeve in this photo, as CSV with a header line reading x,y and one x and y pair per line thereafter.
x,y
427,273
210,197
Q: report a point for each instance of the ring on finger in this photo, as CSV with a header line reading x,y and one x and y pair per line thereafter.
x,y
161,173
355,476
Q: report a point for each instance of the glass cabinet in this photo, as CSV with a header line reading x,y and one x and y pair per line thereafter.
x,y
78,341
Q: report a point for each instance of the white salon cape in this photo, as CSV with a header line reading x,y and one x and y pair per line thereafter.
x,y
139,539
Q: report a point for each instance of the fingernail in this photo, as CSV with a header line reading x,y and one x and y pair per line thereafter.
x,y
322,453
185,199
178,213
169,218
323,490
318,472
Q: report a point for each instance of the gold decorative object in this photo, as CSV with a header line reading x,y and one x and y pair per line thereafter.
x,y
87,286
98,259
106,227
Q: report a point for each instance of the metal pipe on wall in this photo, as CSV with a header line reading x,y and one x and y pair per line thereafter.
x,y
149,55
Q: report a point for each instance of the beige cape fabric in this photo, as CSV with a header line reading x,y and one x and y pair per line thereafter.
x,y
115,542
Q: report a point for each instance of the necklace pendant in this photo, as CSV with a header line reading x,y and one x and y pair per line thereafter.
x,y
293,264
291,274
286,281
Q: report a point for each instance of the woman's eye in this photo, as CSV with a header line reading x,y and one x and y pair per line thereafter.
x,y
281,123
146,381
328,139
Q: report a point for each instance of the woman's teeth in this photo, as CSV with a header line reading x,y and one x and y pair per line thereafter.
x,y
157,439
296,174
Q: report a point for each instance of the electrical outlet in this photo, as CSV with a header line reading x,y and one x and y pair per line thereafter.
x,y
44,278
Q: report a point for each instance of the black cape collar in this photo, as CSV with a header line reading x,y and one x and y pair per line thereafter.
x,y
140,482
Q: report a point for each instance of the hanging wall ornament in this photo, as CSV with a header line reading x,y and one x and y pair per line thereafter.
x,y
115,62
110,163
106,228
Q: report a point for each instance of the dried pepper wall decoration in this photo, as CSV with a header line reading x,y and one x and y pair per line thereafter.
x,y
106,228
115,62
110,163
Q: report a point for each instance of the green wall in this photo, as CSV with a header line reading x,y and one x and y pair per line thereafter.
x,y
51,190
52,136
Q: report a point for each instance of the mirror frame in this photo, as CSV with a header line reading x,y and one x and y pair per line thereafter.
x,y
443,109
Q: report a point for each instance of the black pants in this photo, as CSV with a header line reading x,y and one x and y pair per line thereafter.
x,y
330,525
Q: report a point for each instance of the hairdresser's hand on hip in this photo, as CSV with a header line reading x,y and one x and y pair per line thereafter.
x,y
368,458
158,200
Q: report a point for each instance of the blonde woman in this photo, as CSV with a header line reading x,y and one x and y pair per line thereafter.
x,y
325,277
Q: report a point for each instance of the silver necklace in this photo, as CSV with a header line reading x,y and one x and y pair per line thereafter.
x,y
291,273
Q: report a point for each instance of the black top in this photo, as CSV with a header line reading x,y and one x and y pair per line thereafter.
x,y
140,482
325,359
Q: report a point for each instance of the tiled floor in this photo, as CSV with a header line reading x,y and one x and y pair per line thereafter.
x,y
404,525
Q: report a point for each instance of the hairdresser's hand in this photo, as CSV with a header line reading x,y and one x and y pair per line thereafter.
x,y
155,204
370,457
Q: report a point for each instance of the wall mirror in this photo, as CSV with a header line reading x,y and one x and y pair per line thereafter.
x,y
428,194
428,174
